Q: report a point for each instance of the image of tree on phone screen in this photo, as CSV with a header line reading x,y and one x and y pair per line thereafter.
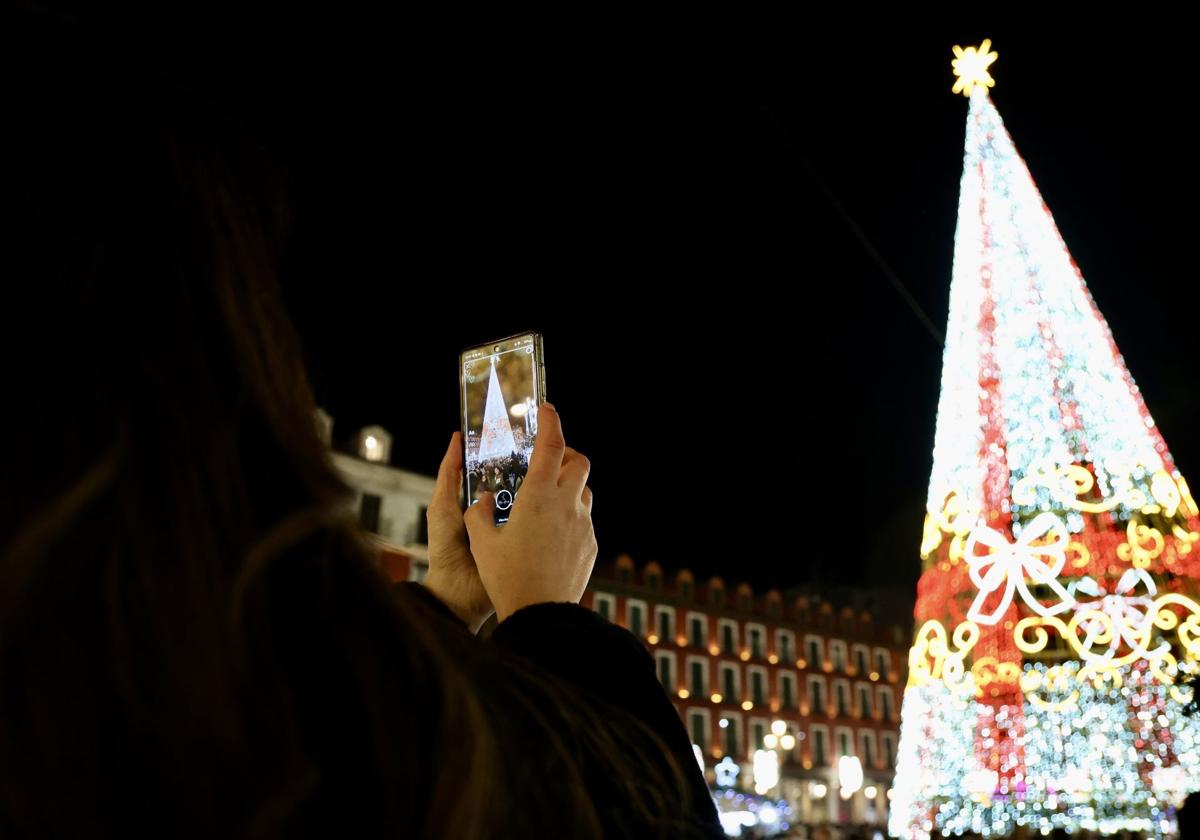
x,y
501,423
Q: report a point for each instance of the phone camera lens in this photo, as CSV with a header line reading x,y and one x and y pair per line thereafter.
x,y
497,348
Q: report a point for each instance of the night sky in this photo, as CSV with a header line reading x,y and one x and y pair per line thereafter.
x,y
755,396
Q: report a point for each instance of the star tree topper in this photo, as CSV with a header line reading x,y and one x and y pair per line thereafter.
x,y
971,67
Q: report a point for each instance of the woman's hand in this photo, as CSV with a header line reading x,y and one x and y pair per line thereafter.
x,y
453,576
547,549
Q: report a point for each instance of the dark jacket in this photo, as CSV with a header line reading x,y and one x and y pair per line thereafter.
x,y
607,667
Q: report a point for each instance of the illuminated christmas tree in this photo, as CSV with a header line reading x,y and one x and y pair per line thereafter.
x,y
497,440
1055,610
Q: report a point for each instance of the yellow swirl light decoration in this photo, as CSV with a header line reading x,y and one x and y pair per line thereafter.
x,y
1166,669
1040,637
1169,497
1082,557
1166,494
1067,484
988,670
947,663
1056,680
1185,497
1142,544
1189,635
958,548
1099,676
1031,637
956,518
1183,538
931,537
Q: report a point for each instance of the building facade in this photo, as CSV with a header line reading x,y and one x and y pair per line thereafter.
x,y
390,503
742,666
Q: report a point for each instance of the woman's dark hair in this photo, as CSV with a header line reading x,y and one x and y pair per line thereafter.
x,y
194,638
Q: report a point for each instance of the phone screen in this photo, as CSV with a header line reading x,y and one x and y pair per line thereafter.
x,y
501,391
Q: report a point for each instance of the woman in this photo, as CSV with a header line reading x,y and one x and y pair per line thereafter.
x,y
195,640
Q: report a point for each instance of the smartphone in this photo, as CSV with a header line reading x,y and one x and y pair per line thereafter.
x,y
501,385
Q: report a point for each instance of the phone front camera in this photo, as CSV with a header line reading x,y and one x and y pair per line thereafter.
x,y
497,348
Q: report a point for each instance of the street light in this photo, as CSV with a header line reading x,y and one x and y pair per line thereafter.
x,y
766,761
850,775
779,737
766,770
524,410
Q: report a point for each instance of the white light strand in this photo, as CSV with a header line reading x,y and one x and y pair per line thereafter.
x,y
1084,766
1049,341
